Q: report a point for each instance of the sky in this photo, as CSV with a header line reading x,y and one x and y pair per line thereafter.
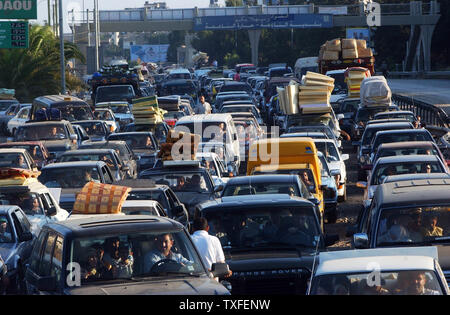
x,y
114,5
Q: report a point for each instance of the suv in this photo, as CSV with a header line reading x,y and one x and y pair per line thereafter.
x,y
57,136
270,242
76,243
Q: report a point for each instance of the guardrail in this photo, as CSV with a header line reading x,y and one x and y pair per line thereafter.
x,y
430,114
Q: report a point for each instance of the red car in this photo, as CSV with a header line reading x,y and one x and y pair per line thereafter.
x,y
36,149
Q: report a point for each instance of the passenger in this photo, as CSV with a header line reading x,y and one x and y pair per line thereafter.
x,y
341,286
415,284
415,229
108,161
163,251
36,208
5,232
20,162
396,233
124,265
309,183
427,169
180,183
148,142
195,183
431,228
272,227
111,254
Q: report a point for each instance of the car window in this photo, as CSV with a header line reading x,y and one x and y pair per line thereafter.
x,y
46,261
56,269
106,175
382,170
23,221
37,252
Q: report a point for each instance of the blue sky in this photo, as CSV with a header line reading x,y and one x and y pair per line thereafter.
x,y
115,5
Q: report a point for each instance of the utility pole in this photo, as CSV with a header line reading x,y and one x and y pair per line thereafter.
x,y
49,21
61,47
97,61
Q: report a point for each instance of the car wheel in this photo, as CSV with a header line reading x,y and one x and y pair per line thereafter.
x,y
343,198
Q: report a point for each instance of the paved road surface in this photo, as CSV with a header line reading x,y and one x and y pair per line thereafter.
x,y
430,91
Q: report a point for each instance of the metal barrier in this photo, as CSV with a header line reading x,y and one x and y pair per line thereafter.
x,y
430,114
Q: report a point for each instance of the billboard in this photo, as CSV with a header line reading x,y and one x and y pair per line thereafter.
x,y
149,53
271,21
359,33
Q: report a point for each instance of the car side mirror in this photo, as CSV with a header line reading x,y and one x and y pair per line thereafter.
x,y
220,270
51,211
331,239
360,241
362,185
345,157
46,284
26,236
218,188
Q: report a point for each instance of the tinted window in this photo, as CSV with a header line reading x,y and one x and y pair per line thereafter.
x,y
46,262
37,251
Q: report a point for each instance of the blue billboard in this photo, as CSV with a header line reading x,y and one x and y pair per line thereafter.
x,y
248,22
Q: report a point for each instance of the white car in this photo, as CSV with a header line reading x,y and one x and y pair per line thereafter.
x,y
18,120
336,161
379,271
108,116
216,167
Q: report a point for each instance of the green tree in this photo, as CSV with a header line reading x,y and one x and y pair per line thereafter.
x,y
233,3
35,71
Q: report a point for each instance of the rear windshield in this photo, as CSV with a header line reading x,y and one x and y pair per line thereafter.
x,y
114,93
369,133
401,168
399,137
69,177
236,87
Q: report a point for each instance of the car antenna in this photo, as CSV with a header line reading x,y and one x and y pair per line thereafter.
x,y
317,238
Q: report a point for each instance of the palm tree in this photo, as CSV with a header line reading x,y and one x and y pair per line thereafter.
x,y
34,71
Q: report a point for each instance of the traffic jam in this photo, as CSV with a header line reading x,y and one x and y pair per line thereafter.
x,y
216,181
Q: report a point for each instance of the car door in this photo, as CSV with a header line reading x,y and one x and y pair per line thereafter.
x,y
22,227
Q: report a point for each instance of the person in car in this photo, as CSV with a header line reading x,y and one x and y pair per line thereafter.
x,y
124,265
415,229
416,284
195,184
431,228
180,183
305,178
20,162
163,251
5,232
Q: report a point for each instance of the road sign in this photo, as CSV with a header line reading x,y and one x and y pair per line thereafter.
x,y
13,34
18,9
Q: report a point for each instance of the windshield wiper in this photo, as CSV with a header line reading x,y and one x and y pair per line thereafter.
x,y
395,243
438,239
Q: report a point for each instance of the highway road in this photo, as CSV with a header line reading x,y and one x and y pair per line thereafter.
x,y
429,91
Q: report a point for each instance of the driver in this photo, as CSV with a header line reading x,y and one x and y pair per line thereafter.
x,y
5,234
163,250
56,133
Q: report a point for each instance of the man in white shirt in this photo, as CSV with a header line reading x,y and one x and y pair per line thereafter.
x,y
204,107
208,246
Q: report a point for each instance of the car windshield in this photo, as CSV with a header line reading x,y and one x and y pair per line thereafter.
x,y
41,132
400,137
369,133
6,233
135,255
279,72
135,141
72,112
388,169
414,225
208,130
104,115
120,109
13,160
209,164
364,114
93,128
157,195
179,89
107,158
174,115
30,203
390,115
236,87
68,177
306,176
410,282
325,130
407,151
114,93
350,106
261,189
121,150
4,105
339,81
313,120
264,226
329,150
183,181
36,155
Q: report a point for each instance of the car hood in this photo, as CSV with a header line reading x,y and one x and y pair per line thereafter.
x,y
179,286
7,251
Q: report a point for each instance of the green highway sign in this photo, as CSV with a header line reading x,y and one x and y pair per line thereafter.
x,y
18,9
13,34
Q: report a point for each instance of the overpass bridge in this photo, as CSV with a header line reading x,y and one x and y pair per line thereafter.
x,y
422,17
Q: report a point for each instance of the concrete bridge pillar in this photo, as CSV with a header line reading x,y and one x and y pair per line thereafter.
x,y
426,36
254,36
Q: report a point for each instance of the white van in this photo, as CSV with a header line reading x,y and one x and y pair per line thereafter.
x,y
303,65
208,127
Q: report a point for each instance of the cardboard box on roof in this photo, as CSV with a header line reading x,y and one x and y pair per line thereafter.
x,y
349,43
365,52
314,95
333,45
350,54
361,43
330,55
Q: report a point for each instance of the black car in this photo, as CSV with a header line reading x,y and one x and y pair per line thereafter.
x,y
97,130
408,213
191,182
364,146
233,86
269,242
57,136
143,189
363,115
159,130
78,242
16,242
126,154
143,144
